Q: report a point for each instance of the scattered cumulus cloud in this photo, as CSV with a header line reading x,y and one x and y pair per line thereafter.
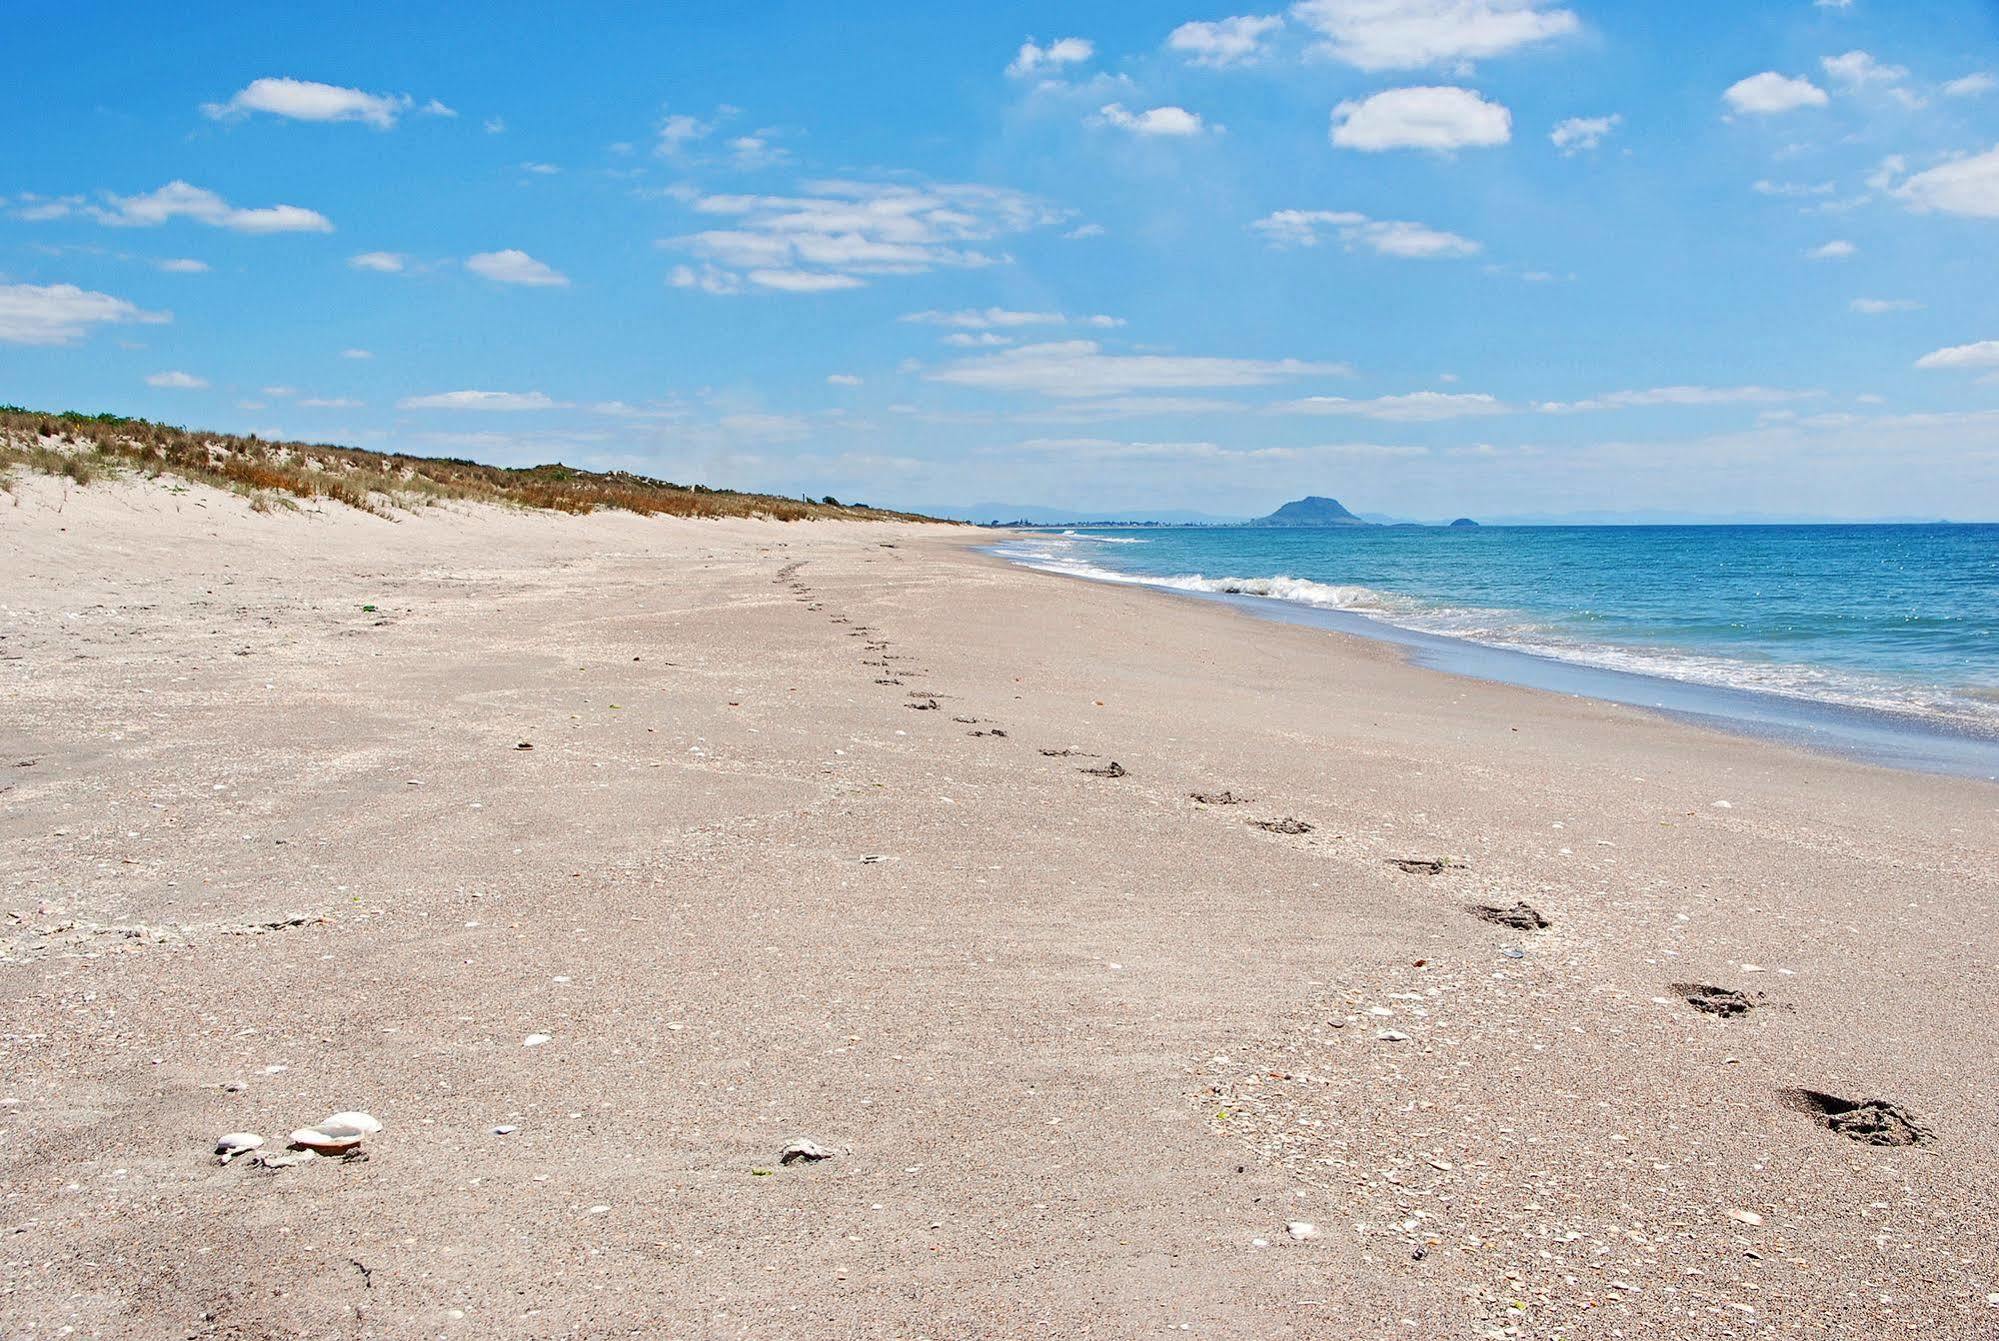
x,y
304,100
357,354
1769,93
1874,307
1082,368
1233,41
1169,121
837,234
1857,68
678,132
1033,59
1413,34
183,265
1416,407
1678,396
842,379
495,401
177,381
1385,237
62,314
1982,354
513,266
1836,250
383,262
1971,85
1580,133
1438,119
179,200
329,403
1968,186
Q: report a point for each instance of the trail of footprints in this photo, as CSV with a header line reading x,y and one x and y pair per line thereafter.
x,y
1873,1121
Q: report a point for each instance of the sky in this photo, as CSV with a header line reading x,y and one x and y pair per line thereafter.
x,y
1432,257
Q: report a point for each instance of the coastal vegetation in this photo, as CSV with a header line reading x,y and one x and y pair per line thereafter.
x,y
87,447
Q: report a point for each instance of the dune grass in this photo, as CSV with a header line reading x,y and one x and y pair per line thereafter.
x,y
84,448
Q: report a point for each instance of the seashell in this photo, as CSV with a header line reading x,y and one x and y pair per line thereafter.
x,y
273,1160
337,1141
802,1149
365,1123
231,1144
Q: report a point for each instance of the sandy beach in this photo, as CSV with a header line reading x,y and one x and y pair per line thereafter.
x,y
763,832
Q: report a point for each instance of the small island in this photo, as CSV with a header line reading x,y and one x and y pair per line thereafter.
x,y
1464,521
1312,511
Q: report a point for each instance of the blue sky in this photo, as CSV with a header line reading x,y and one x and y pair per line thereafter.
x,y
1431,256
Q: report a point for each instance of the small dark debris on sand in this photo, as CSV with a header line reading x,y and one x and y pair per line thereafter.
x,y
1426,865
1067,754
1285,825
995,732
966,721
1521,916
525,745
1113,769
928,705
1218,798
1869,1121
888,682
1711,1000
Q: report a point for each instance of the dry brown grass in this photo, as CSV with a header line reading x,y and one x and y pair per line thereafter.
x,y
85,447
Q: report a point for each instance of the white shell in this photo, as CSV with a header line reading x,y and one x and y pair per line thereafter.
x,y
366,1123
337,1141
231,1144
1302,1230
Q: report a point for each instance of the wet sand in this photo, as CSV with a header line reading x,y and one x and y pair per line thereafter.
x,y
1082,1046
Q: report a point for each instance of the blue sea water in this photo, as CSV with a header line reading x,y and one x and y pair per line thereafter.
x,y
1891,630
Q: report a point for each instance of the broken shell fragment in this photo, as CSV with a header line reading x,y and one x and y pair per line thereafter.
x,y
365,1123
231,1144
805,1150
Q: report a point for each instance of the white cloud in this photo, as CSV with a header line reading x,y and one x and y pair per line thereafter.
x,y
495,125
1857,67
513,266
1081,231
1032,59
1081,368
1416,407
1836,250
541,169
679,131
1983,354
981,319
178,200
840,231
1676,395
1791,189
708,279
1411,34
436,108
507,401
1438,119
981,340
1971,85
304,100
386,262
280,391
62,314
329,403
1874,307
177,381
183,265
1768,93
842,379
1833,4
1964,186
804,281
1233,41
356,354
1579,133
1174,121
1386,237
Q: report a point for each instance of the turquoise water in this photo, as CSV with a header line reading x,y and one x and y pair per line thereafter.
x,y
1900,622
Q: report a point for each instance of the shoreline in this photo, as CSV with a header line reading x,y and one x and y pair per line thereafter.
x,y
1083,1048
1843,730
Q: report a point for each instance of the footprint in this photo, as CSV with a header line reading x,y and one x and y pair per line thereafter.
x,y
1215,798
1710,1000
996,732
928,705
1426,865
1520,917
1113,769
1067,754
1287,825
1869,1121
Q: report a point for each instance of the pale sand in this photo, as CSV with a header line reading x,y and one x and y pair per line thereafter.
x,y
1070,1037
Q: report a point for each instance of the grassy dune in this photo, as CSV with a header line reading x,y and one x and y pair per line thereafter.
x,y
278,474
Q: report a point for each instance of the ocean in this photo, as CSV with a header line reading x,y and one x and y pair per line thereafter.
x,y
1879,641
